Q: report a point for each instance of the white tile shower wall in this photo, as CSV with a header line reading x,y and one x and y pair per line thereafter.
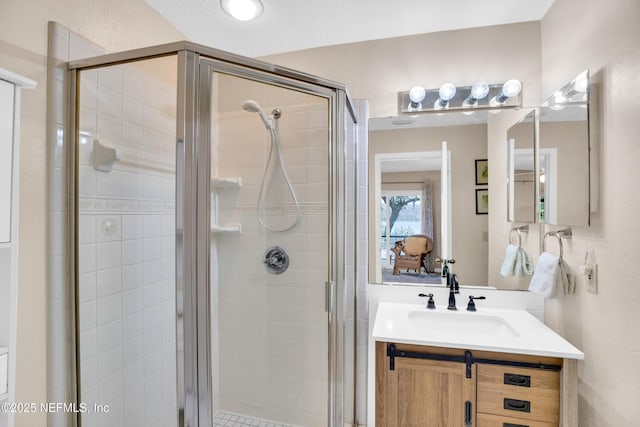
x,y
273,328
126,237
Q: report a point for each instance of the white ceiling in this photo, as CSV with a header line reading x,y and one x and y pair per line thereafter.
x,y
288,25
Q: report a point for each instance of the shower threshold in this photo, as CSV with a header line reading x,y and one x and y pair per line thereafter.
x,y
228,419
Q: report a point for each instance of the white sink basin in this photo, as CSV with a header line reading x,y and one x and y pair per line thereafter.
x,y
489,329
453,322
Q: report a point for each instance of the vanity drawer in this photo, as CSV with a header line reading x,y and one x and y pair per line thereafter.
x,y
529,394
487,420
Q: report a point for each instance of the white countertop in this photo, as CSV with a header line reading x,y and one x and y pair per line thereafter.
x,y
507,331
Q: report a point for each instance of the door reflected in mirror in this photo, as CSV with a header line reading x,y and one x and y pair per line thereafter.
x,y
522,178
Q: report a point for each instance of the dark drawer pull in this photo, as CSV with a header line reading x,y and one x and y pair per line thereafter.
x,y
513,425
517,380
517,405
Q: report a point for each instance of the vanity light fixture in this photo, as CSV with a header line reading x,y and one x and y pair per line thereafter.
x,y
510,89
466,99
445,94
242,10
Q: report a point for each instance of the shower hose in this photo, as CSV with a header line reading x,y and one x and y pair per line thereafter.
x,y
275,146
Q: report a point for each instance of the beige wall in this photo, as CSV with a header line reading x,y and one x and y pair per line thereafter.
x,y
606,39
377,70
23,45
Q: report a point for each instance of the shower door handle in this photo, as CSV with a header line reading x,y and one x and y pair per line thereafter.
x,y
328,286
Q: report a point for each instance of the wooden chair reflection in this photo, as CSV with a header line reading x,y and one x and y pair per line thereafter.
x,y
410,253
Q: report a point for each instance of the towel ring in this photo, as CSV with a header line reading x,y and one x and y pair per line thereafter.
x,y
519,230
557,236
519,236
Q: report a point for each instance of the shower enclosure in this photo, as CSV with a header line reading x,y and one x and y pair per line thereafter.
x,y
195,175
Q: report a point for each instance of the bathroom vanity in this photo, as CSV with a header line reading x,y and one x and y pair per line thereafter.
x,y
491,368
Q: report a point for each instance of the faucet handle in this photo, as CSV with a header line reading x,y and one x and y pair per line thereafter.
x,y
472,305
454,285
431,303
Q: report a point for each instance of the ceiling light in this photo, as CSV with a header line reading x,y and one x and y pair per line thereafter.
x,y
242,10
445,94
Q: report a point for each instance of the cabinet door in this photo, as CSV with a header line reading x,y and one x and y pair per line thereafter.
x,y
431,394
7,91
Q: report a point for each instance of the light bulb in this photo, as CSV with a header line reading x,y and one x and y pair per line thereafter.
x,y
581,84
447,92
242,10
559,98
511,88
479,90
417,94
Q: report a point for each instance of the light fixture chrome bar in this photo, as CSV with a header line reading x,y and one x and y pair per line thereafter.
x,y
463,100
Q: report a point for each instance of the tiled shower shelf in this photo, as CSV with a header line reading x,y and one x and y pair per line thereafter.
x,y
226,228
226,182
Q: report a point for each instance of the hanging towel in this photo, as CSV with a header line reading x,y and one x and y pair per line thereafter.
x,y
524,264
509,262
551,272
543,281
517,262
567,278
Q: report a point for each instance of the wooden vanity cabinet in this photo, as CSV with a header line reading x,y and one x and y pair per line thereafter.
x,y
427,393
490,391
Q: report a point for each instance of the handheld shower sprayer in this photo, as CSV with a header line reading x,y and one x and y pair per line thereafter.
x,y
274,149
253,107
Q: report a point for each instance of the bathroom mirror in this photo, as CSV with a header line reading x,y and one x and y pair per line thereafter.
x,y
408,152
564,155
521,170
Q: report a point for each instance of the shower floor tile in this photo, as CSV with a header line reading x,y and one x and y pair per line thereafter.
x,y
228,419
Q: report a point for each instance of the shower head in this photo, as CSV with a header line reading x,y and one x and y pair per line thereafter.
x,y
253,107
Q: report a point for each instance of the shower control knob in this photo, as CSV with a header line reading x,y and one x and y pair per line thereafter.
x,y
276,260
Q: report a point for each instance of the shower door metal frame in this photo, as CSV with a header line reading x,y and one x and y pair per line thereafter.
x,y
196,64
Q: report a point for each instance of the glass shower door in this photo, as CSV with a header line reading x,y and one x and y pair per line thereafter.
x,y
269,207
